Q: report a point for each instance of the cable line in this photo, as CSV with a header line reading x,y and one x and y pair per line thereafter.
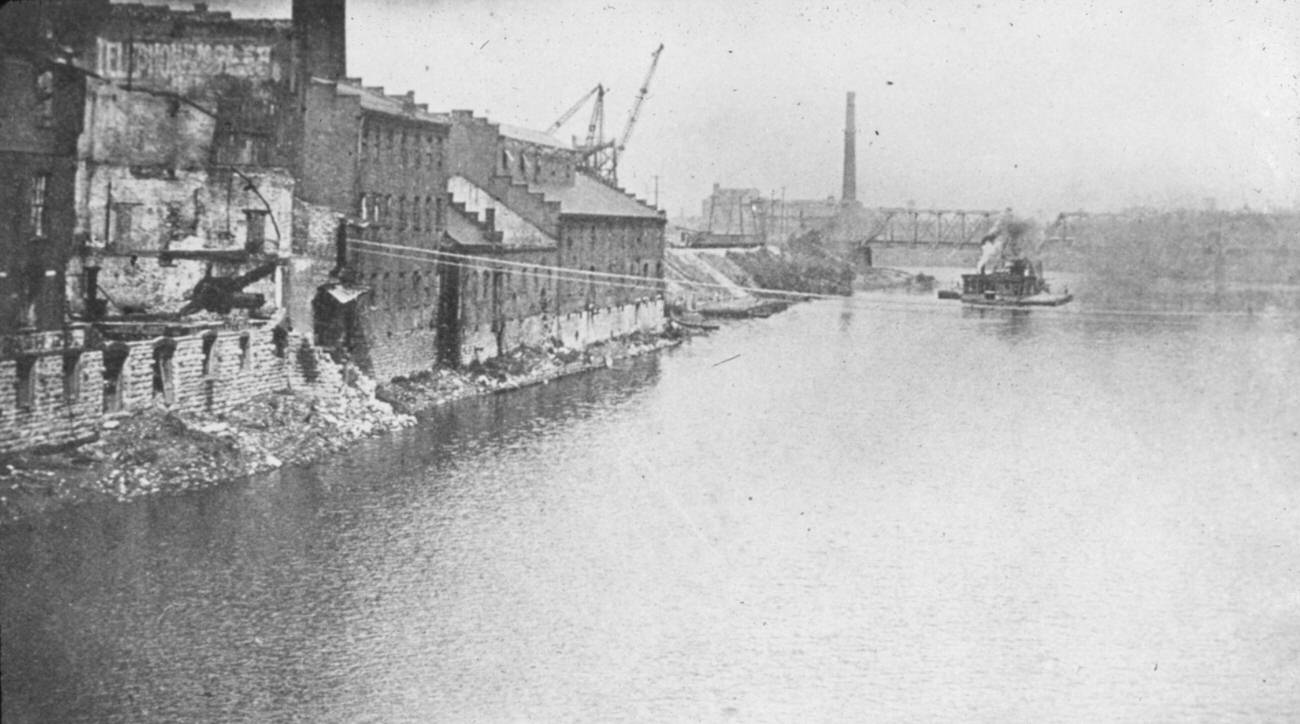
x,y
628,281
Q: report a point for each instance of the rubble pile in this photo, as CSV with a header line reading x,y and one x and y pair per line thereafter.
x,y
528,365
160,451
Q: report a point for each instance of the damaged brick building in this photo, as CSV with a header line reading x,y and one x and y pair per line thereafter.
x,y
199,207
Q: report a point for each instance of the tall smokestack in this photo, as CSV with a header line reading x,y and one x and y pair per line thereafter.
x,y
319,28
849,194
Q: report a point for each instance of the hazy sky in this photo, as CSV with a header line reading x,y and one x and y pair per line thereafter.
x,y
1038,106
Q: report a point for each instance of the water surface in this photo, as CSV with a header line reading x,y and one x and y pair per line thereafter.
x,y
883,508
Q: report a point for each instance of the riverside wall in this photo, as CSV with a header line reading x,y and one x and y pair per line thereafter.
x,y
65,398
574,330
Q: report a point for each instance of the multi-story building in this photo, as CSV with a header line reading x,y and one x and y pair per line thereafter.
x,y
372,202
609,245
184,166
41,367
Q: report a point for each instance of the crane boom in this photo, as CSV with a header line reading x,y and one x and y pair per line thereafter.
x,y
574,108
640,98
597,121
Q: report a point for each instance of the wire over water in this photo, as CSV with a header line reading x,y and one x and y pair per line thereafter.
x,y
630,281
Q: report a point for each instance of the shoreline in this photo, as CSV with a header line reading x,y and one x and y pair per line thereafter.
x,y
158,451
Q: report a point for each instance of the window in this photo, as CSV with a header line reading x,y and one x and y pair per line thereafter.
x,y
45,99
365,209
25,383
71,377
123,223
417,214
114,364
255,226
40,182
438,221
163,371
245,348
401,213
209,354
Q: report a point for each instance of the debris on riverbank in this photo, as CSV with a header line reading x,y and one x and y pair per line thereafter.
x,y
521,368
159,451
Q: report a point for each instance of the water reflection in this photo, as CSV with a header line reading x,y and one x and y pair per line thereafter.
x,y
954,511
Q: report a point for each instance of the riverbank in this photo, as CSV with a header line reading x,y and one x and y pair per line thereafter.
x,y
158,451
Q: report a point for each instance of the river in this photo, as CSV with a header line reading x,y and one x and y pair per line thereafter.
x,y
878,509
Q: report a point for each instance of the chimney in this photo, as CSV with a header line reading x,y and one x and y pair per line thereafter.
x,y
320,41
849,194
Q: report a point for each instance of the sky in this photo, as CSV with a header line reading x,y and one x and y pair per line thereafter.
x,y
1043,107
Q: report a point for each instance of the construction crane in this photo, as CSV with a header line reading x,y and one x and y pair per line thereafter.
x,y
597,91
602,157
640,98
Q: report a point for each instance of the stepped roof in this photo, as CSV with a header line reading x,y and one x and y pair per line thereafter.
x,y
588,196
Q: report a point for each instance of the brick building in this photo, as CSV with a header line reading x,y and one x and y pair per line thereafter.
x,y
41,351
184,166
612,242
499,277
372,188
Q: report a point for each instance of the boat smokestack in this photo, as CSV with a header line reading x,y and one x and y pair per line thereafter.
x,y
849,193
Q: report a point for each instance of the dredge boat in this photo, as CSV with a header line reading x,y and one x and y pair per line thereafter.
x,y
1019,286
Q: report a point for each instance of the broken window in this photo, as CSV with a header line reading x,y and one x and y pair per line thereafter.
x,y
209,354
164,387
255,230
71,377
245,351
45,99
123,223
36,204
25,382
114,365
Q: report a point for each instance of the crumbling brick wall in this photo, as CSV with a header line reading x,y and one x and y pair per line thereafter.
x,y
212,372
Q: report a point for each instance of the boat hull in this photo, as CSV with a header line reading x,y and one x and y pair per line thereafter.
x,y
1036,300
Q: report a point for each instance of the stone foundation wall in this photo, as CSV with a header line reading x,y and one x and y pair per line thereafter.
x,y
214,373
575,329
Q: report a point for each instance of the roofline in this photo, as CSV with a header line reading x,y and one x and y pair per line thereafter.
x,y
659,216
495,249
